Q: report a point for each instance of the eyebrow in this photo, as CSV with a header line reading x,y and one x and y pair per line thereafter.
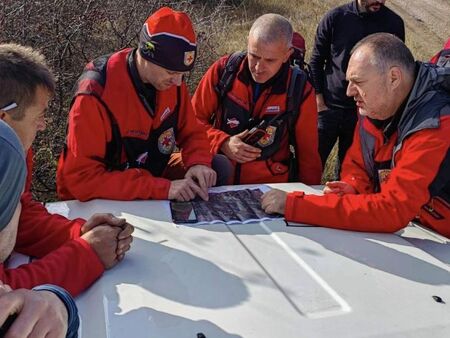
x,y
353,78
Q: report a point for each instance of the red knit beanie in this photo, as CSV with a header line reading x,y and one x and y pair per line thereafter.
x,y
168,40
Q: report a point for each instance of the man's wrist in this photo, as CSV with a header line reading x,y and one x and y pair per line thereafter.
x,y
291,198
224,145
73,322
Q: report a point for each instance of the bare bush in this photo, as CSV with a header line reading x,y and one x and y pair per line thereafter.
x,y
71,33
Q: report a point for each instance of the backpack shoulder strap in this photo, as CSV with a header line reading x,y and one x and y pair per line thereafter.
x,y
92,82
93,78
444,58
228,73
295,97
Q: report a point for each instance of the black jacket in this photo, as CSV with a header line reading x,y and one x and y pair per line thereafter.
x,y
338,31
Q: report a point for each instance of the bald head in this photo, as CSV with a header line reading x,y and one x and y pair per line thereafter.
x,y
271,28
269,46
380,75
386,51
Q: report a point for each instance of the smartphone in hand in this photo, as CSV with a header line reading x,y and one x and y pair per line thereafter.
x,y
255,134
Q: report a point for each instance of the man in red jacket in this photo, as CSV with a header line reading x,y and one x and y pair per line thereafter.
x,y
398,167
72,254
51,311
257,97
130,110
442,58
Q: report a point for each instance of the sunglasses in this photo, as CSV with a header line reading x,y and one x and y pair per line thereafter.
x,y
9,106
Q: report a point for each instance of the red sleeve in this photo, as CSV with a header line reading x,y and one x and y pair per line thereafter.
x,y
74,266
307,139
205,104
401,196
81,176
191,134
41,232
435,58
353,169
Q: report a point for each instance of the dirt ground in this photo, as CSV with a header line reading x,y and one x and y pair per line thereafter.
x,y
427,24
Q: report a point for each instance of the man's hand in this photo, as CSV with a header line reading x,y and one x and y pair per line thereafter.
x,y
124,240
41,314
274,201
203,175
321,106
185,190
338,187
237,150
102,219
4,288
104,240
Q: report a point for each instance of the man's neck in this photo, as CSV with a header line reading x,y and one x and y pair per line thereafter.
x,y
138,63
361,8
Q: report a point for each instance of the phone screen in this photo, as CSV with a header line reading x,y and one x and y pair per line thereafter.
x,y
183,212
254,136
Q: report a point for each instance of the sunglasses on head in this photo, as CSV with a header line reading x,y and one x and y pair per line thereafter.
x,y
9,106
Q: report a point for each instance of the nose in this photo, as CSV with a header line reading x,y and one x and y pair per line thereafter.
x,y
177,79
350,90
259,67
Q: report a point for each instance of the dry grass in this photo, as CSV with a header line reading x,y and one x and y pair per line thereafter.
x,y
305,16
222,26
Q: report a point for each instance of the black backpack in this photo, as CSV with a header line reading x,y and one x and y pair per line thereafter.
x,y
444,58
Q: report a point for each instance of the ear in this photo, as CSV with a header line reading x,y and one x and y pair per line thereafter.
x,y
288,54
2,115
395,77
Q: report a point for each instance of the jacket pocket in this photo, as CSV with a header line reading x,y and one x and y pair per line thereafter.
x,y
276,168
436,215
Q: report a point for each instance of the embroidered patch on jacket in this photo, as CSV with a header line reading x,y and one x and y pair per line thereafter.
x,y
166,141
233,122
268,138
273,109
142,158
189,57
165,114
383,175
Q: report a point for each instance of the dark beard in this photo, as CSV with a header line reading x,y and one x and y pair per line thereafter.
x,y
368,7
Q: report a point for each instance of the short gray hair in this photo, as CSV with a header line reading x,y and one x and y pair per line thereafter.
x,y
270,28
387,50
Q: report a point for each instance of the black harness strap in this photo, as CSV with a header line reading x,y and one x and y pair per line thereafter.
x,y
294,99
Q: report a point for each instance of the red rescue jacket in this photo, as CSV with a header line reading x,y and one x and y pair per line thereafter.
x,y
398,176
65,259
239,108
146,137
